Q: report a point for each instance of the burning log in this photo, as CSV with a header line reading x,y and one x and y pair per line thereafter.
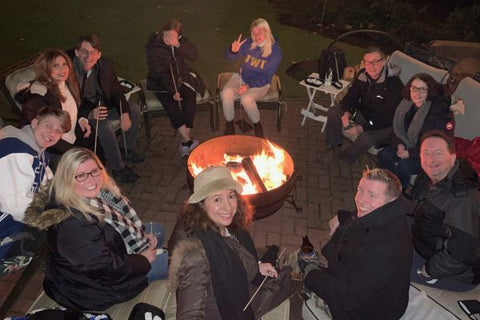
x,y
252,173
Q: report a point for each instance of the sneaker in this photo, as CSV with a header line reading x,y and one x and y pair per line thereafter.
x,y
132,156
187,147
126,175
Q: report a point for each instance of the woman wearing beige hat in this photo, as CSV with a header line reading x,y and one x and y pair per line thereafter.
x,y
214,266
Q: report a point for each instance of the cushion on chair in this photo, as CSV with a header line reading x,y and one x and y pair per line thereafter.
x,y
466,126
410,66
19,79
151,101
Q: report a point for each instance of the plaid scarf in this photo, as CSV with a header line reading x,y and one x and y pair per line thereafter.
x,y
121,216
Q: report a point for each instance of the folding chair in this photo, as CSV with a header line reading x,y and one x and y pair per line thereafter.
x,y
272,100
151,106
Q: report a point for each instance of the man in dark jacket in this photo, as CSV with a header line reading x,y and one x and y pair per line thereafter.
x,y
447,217
369,255
372,98
103,98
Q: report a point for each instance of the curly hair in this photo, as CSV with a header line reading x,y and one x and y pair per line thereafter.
x,y
434,88
194,219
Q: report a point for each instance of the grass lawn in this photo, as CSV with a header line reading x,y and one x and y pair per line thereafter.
x,y
30,26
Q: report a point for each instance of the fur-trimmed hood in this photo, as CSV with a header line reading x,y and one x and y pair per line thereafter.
x,y
43,212
191,248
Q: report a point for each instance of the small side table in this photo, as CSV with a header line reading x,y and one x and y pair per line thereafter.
x,y
312,91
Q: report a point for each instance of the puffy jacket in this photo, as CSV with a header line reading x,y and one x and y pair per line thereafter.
x,y
163,60
88,267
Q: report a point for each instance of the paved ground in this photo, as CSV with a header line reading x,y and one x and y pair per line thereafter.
x,y
324,187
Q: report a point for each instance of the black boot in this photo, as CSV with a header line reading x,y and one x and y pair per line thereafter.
x,y
229,128
258,129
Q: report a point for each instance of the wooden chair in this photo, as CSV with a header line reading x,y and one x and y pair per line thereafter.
x,y
151,106
272,100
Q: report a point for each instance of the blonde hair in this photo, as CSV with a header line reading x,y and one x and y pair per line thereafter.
x,y
394,187
63,183
267,48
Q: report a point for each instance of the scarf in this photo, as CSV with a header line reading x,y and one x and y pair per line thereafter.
x,y
229,278
410,137
121,216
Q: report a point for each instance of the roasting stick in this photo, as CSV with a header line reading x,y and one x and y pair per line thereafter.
x,y
261,284
175,85
123,132
96,127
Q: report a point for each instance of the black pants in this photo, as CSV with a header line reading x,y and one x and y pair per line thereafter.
x,y
179,115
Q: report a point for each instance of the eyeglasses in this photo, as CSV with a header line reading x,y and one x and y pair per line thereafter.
x,y
417,89
372,63
84,176
93,52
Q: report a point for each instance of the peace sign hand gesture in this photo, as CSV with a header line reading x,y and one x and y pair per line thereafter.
x,y
237,43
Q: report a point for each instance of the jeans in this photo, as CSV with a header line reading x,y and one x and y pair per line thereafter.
x,y
159,268
402,168
108,138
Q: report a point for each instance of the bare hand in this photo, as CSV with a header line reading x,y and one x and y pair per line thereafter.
x,y
242,89
266,269
85,126
402,152
346,119
238,43
171,38
152,240
333,223
100,113
150,253
125,122
177,96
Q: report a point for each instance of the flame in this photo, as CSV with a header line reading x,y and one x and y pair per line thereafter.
x,y
269,164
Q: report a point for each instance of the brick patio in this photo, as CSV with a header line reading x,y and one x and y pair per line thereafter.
x,y
324,187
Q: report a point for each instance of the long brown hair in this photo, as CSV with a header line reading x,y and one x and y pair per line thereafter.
x,y
43,71
194,219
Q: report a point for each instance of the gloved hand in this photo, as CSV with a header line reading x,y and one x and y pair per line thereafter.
x,y
307,265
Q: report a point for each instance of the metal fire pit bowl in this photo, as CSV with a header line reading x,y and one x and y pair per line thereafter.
x,y
210,153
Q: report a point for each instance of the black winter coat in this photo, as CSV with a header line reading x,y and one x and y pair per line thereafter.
x,y
162,62
112,91
369,261
447,224
376,101
88,267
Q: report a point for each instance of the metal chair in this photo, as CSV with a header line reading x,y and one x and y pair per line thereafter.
x,y
151,106
272,100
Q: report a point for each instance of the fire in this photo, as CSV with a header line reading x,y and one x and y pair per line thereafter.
x,y
269,164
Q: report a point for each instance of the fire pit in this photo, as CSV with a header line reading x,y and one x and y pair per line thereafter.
x,y
265,170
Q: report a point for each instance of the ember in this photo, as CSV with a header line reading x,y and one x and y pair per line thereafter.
x,y
258,172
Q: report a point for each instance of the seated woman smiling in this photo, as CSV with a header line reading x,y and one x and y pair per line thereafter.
x,y
99,253
214,265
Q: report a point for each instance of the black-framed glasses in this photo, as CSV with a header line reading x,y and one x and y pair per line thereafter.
x,y
92,52
417,89
84,176
372,63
